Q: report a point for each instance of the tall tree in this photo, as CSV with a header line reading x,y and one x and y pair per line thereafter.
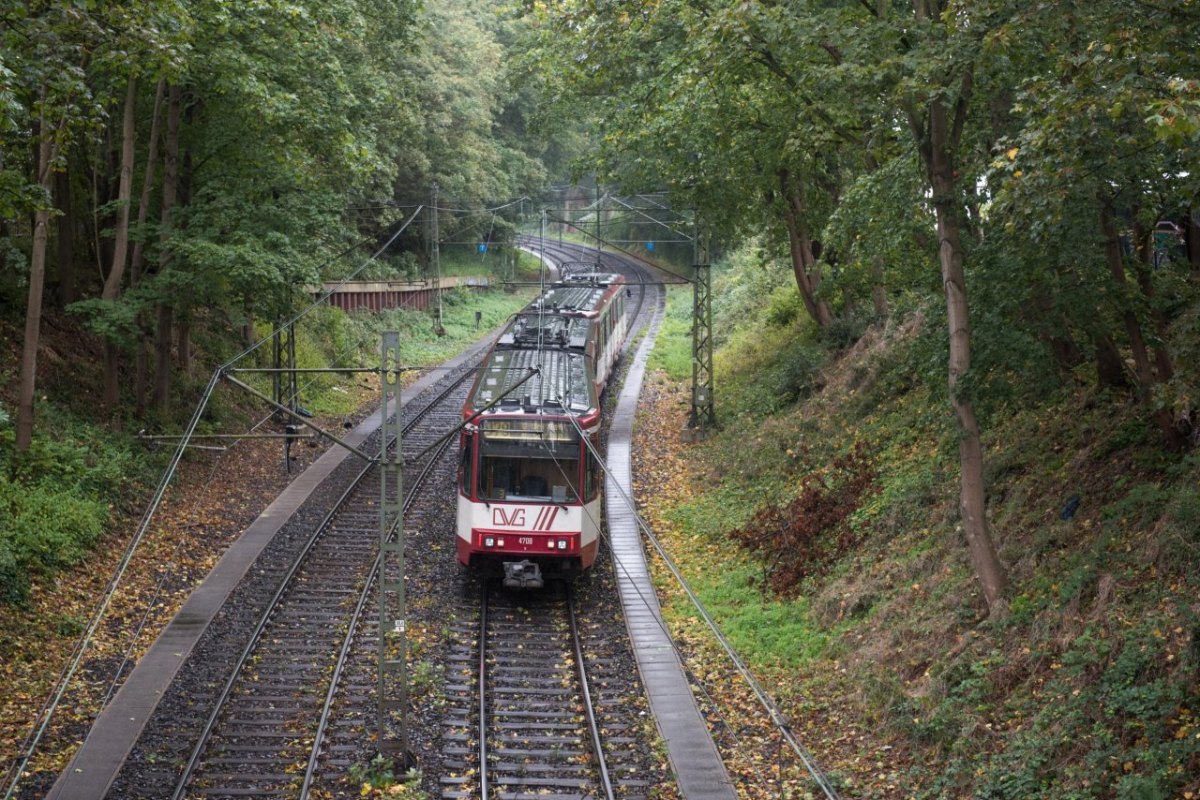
x,y
116,272
37,273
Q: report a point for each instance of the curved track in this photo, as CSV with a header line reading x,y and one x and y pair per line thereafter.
x,y
297,712
699,770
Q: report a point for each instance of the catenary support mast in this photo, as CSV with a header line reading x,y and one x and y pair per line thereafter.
x,y
392,690
703,415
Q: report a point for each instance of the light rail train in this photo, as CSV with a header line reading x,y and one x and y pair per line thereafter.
x,y
529,488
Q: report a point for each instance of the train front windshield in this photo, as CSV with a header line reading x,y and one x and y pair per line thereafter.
x,y
529,460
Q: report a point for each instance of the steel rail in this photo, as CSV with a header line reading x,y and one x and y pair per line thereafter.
x,y
595,736
364,597
588,710
285,584
219,705
484,789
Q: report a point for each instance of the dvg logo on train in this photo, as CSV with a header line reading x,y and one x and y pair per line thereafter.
x,y
508,517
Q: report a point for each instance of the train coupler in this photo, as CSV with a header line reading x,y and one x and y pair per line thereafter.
x,y
523,575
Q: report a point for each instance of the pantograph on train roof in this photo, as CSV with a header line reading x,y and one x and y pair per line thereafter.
x,y
580,293
548,330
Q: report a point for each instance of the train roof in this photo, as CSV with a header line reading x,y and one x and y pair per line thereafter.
x,y
579,293
548,329
563,386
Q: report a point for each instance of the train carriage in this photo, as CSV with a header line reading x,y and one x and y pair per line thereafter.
x,y
529,486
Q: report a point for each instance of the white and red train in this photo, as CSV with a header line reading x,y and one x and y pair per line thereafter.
x,y
529,487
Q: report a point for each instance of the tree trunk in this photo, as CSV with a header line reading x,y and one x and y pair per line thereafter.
x,y
1145,373
66,239
162,350
139,249
141,368
1141,270
1116,268
972,491
1191,241
1110,367
879,289
800,247
162,357
938,138
104,167
112,285
184,347
1057,338
33,311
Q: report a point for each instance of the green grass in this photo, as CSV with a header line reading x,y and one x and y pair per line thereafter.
x,y
768,634
355,338
467,261
673,349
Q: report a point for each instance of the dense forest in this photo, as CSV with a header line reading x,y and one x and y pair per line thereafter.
x,y
960,442
988,212
167,161
172,174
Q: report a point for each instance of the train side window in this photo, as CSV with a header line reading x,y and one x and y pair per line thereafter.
x,y
590,476
467,468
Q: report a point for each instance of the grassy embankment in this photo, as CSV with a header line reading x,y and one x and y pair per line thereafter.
x,y
859,605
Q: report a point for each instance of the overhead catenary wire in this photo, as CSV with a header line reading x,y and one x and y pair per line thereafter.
x,y
55,699
777,718
624,569
324,296
383,204
152,603
739,746
678,279
672,229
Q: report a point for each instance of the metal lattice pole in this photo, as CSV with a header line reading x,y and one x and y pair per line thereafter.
x,y
283,381
435,260
392,690
703,414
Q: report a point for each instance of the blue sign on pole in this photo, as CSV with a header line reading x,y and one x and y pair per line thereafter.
x,y
650,246
483,247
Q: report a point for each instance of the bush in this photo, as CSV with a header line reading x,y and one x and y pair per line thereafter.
x,y
784,306
798,371
808,534
47,529
845,329
54,498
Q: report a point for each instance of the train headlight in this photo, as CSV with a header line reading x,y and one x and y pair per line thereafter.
x,y
489,541
562,544
499,543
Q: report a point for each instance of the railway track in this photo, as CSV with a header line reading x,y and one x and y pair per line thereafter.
x,y
538,705
266,731
524,722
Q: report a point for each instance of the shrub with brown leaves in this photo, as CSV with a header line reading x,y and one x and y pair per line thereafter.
x,y
806,536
